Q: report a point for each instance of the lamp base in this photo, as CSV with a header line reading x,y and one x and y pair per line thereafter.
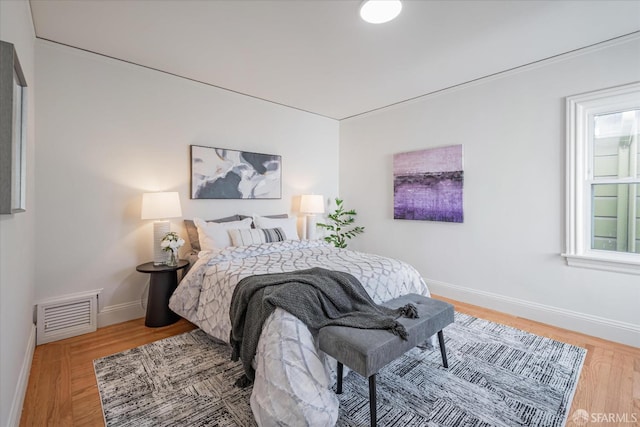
x,y
160,229
311,227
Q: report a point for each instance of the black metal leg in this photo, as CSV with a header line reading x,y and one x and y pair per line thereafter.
x,y
372,400
339,390
443,351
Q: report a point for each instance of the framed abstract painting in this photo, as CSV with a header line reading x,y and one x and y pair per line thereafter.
x,y
427,184
220,173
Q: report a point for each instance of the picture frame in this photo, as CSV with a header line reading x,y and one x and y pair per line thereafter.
x,y
428,184
13,129
221,173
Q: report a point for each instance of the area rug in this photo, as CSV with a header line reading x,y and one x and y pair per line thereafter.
x,y
497,376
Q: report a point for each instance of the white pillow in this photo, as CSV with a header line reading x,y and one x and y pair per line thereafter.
x,y
288,225
252,236
214,235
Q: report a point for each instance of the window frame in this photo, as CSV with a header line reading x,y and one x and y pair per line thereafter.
x,y
580,110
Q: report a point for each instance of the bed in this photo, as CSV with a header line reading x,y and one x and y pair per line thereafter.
x,y
293,378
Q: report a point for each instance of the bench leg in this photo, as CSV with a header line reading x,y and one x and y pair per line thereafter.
x,y
372,400
339,390
443,351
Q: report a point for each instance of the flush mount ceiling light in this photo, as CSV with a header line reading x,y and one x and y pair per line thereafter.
x,y
380,11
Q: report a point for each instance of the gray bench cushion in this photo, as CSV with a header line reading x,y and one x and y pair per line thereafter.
x,y
366,351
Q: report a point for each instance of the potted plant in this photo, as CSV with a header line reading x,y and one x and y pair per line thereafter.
x,y
341,221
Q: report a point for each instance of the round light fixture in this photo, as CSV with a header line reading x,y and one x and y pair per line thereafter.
x,y
380,11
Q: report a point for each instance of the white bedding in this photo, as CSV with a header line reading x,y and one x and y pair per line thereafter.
x,y
292,384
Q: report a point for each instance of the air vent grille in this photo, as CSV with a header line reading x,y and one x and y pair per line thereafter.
x,y
66,317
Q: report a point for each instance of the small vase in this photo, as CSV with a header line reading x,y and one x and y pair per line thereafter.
x,y
173,259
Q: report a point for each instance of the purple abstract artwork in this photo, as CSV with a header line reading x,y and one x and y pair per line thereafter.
x,y
427,184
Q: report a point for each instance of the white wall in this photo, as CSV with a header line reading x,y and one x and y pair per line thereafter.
x,y
109,131
17,239
506,254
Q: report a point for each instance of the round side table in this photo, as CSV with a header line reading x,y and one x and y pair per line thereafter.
x,y
163,281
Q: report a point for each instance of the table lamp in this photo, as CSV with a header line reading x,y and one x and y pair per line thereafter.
x,y
311,204
160,207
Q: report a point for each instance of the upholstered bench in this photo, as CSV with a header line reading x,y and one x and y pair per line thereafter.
x,y
366,351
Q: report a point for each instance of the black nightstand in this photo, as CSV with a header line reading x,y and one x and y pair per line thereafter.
x,y
163,282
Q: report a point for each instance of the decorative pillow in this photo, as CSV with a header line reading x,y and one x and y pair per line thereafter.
x,y
192,230
288,225
213,235
253,225
252,236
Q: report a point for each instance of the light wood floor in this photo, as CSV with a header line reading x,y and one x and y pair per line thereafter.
x,y
62,387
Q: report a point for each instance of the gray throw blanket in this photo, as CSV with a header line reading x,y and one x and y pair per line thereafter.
x,y
318,297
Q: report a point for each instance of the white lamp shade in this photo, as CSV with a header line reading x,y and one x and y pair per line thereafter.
x,y
161,205
312,203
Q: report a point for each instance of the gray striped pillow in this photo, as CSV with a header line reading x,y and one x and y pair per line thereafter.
x,y
245,237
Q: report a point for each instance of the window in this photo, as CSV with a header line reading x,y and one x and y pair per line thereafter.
x,y
603,179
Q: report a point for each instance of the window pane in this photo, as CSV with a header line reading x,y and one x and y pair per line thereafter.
x,y
615,217
615,145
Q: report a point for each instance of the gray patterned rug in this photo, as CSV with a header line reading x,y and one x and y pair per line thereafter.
x,y
497,376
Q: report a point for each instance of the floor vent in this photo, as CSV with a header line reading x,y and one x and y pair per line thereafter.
x,y
67,316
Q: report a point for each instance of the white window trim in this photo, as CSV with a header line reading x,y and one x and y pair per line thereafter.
x,y
578,222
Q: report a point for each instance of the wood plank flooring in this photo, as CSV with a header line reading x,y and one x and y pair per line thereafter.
x,y
62,388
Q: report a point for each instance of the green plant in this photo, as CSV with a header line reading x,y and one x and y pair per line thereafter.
x,y
341,220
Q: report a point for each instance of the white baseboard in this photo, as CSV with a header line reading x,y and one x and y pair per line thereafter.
x,y
23,381
609,329
120,313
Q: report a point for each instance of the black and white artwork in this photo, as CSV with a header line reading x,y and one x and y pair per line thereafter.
x,y
219,173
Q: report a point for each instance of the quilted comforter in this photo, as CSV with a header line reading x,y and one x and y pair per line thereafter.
x,y
293,378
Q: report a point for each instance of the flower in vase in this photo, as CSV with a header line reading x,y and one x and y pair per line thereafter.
x,y
171,242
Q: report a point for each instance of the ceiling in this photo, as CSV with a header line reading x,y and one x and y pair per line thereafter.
x,y
318,56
